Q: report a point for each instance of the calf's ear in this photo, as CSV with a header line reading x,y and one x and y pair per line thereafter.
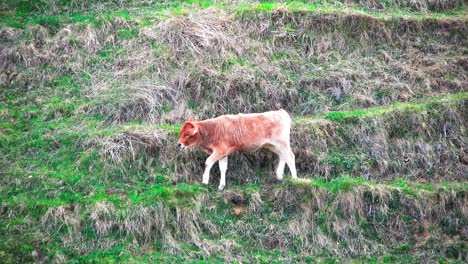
x,y
193,130
190,120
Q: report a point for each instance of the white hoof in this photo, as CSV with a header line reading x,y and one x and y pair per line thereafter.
x,y
221,187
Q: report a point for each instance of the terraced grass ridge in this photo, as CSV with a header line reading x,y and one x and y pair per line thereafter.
x,y
94,93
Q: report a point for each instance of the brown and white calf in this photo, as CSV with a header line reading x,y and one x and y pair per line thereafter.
x,y
227,134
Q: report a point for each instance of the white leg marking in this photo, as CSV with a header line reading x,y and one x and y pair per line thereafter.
x,y
279,149
208,164
223,163
280,169
292,164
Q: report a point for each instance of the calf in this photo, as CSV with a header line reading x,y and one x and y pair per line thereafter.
x,y
224,135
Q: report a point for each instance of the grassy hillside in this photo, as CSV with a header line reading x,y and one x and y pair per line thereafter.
x,y
93,94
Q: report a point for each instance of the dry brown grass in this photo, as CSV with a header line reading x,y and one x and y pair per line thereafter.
x,y
324,220
256,203
251,81
205,32
416,144
147,101
128,146
414,5
60,218
154,225
210,63
367,219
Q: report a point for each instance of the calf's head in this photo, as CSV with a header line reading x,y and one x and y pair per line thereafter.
x,y
189,135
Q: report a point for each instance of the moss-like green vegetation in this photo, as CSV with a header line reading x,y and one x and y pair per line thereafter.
x,y
324,7
18,15
427,105
350,184
171,128
374,112
344,184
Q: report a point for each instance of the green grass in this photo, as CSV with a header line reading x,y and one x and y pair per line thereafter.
x,y
335,116
340,161
346,183
127,33
49,157
299,6
175,129
46,164
423,105
30,15
343,184
179,195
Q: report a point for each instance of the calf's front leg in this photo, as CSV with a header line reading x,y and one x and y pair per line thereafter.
x,y
215,156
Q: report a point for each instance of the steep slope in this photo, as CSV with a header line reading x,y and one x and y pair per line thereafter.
x,y
92,95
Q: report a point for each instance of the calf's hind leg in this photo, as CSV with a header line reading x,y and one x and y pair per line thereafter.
x,y
223,163
291,160
276,148
285,155
280,169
